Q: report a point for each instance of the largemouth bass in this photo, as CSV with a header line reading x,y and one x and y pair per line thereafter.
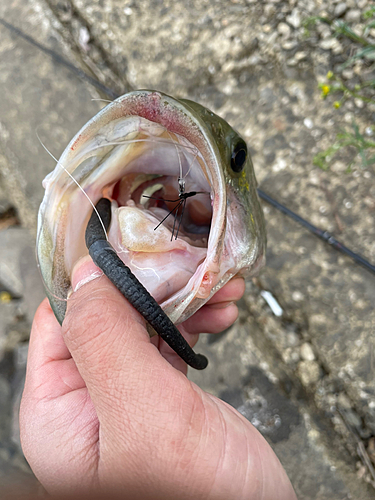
x,y
147,152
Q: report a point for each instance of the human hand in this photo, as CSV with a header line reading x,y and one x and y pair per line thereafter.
x,y
107,410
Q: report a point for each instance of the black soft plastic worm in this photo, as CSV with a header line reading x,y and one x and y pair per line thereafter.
x,y
105,257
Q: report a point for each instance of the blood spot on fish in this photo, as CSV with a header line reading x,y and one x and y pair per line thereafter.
x,y
76,142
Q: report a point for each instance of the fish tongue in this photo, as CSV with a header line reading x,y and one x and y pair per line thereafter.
x,y
163,266
138,233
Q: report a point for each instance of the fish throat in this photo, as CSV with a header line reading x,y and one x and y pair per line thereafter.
x,y
162,180
161,208
161,203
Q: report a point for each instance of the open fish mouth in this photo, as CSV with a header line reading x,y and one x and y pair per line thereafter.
x,y
185,216
161,191
158,232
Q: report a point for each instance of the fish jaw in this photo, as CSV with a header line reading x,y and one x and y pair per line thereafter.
x,y
65,206
236,242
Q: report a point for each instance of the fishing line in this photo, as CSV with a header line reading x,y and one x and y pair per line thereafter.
x,y
113,95
324,235
195,157
73,179
61,60
87,196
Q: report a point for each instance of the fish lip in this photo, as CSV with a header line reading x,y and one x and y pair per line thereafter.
x,y
176,117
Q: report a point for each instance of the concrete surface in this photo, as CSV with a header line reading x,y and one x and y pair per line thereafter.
x,y
306,379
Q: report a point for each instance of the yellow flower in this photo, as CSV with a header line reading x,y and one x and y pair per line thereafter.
x,y
5,297
337,104
330,75
325,89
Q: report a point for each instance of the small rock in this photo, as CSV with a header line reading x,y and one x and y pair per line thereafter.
x,y
328,43
292,61
343,401
289,44
358,68
324,31
294,19
353,419
308,123
331,44
309,372
353,16
271,38
292,339
306,351
297,296
269,10
339,167
337,48
359,103
299,56
347,74
84,38
283,29
290,356
340,9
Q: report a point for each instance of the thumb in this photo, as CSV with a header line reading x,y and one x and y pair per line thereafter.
x,y
107,338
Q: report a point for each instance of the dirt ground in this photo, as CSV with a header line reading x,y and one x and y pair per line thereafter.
x,y
305,379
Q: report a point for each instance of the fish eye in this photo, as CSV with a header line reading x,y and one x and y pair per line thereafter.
x,y
239,155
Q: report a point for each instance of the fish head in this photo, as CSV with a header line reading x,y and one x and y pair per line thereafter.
x,y
245,225
150,153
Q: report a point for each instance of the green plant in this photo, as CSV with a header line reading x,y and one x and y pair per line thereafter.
x,y
363,47
353,139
